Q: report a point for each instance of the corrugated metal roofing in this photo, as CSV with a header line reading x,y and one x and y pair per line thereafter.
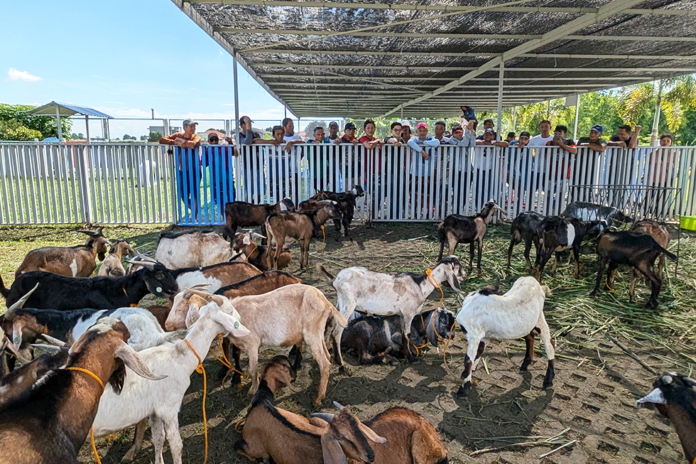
x,y
430,57
67,110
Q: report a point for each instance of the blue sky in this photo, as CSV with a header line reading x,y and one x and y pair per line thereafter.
x,y
124,58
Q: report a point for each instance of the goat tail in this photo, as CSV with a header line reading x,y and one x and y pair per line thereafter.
x,y
338,317
546,290
670,255
320,267
4,291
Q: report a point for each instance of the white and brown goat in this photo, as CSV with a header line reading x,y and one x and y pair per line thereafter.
x,y
112,265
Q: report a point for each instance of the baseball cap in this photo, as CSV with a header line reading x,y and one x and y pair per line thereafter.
x,y
457,128
333,123
524,134
489,131
189,122
349,126
421,124
405,123
598,128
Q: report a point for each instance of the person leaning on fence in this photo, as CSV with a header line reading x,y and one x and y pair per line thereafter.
x,y
246,133
595,144
423,161
464,137
511,137
218,158
395,137
189,161
483,164
440,128
406,131
561,162
623,137
348,135
318,157
520,161
333,133
248,136
487,124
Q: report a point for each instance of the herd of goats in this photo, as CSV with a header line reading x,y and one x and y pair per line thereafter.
x,y
108,364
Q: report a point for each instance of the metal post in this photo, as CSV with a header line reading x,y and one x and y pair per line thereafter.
x,y
286,111
105,129
60,130
577,115
500,101
656,118
298,125
236,104
237,145
87,126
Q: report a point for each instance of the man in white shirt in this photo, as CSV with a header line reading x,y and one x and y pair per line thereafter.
x,y
540,141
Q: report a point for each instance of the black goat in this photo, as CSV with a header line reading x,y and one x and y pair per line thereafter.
x,y
18,384
586,212
525,227
456,229
63,293
558,234
632,248
346,203
243,214
372,338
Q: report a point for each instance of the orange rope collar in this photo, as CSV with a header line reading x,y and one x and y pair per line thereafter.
x,y
441,340
323,233
101,384
224,361
201,370
252,252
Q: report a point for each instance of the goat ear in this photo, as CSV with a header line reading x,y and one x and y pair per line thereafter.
x,y
231,325
135,363
654,397
453,281
331,450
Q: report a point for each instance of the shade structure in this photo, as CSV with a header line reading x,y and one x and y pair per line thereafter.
x,y
426,58
64,110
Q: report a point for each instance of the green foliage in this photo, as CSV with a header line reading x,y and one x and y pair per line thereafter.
x,y
154,137
309,130
45,125
129,137
13,130
75,136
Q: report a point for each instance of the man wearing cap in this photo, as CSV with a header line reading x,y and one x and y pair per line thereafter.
x,y
597,144
348,135
186,139
595,141
464,137
487,124
246,134
333,133
406,131
189,178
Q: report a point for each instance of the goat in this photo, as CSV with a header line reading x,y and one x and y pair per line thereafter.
x,y
215,276
525,227
675,398
558,234
518,313
258,255
346,202
301,226
161,401
63,293
77,261
51,423
632,248
284,317
587,212
112,265
19,383
257,285
372,338
661,236
456,229
192,249
243,214
271,433
379,294
160,312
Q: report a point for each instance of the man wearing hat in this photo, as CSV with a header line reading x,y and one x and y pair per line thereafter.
x,y
186,139
246,134
189,178
348,135
333,133
594,141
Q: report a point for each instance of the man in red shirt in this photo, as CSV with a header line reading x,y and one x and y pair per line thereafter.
x,y
189,179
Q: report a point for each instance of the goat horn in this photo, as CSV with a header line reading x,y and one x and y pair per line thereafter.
x,y
19,303
326,417
371,434
53,341
52,348
15,351
338,406
208,296
255,235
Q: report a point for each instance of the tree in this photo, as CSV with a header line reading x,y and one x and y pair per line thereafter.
x,y
144,138
75,136
129,137
309,130
13,130
46,125
154,137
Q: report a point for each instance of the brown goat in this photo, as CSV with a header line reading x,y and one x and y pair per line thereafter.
x,y
661,236
301,226
243,214
51,423
19,382
77,261
161,313
258,255
112,265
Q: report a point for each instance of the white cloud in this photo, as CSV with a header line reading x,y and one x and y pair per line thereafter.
x,y
16,75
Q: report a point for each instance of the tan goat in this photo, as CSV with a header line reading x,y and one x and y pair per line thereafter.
x,y
112,265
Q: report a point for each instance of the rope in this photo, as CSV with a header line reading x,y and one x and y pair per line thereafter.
x,y
323,233
441,340
252,251
101,384
224,361
239,423
201,370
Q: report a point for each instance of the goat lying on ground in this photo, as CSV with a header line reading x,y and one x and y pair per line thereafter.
x,y
588,212
558,234
661,236
632,248
301,226
271,433
192,249
161,401
377,294
456,229
112,265
215,276
243,214
51,423
77,261
373,338
525,227
63,293
284,317
258,255
675,398
518,313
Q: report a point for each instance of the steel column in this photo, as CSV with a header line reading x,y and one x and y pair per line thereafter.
x,y
501,77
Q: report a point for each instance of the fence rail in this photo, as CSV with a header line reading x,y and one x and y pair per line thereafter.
x,y
143,183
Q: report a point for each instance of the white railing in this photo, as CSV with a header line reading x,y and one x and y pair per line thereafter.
x,y
137,183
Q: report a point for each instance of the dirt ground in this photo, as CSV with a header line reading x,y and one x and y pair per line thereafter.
x,y
592,401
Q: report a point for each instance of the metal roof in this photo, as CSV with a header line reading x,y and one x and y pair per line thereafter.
x,y
428,57
66,110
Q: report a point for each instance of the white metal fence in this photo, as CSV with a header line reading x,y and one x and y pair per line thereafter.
x,y
137,183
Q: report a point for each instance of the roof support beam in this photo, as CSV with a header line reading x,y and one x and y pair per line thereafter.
x,y
443,8
615,7
408,35
396,88
685,70
284,78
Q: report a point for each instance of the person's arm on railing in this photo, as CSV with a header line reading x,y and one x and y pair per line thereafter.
x,y
633,143
413,143
193,142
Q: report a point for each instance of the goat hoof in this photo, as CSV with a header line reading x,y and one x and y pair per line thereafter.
x,y
463,391
345,370
547,384
222,373
651,304
236,379
525,366
593,294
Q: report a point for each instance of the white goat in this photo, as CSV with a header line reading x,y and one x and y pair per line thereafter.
x,y
192,249
488,315
377,294
161,401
